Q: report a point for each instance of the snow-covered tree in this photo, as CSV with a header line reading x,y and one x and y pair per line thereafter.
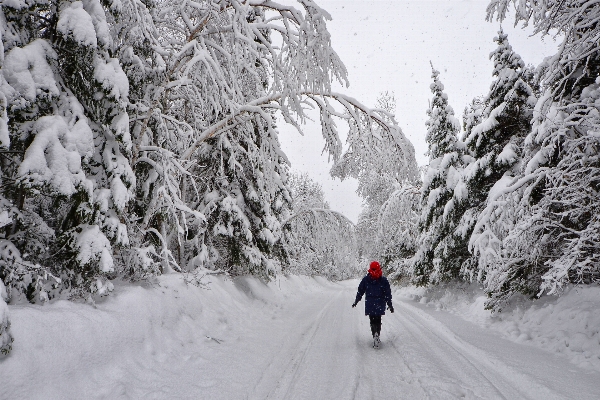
x,y
378,177
473,115
372,153
305,192
576,65
69,141
543,222
496,145
439,257
229,66
398,230
317,240
375,189
139,137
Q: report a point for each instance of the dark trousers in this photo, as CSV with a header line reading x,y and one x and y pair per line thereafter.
x,y
375,321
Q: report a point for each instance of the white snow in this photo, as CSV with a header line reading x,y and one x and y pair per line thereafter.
x,y
5,219
120,195
75,21
94,246
96,13
4,135
461,191
5,338
120,125
508,155
112,77
184,336
486,125
499,188
5,334
568,325
54,156
26,69
16,4
452,178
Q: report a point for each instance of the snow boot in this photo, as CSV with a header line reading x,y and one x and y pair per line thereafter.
x,y
376,341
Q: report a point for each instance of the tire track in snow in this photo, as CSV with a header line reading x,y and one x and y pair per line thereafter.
x,y
284,379
321,349
508,382
287,380
380,373
441,370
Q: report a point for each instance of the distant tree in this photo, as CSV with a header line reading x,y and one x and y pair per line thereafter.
x,y
378,177
317,240
306,193
397,235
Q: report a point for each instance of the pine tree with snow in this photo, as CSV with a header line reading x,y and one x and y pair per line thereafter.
x,y
438,258
553,240
495,144
473,115
507,111
66,111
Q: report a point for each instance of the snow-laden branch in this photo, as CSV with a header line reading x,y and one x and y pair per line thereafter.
x,y
315,213
354,110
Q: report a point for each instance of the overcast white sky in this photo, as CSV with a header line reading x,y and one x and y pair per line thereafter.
x,y
387,45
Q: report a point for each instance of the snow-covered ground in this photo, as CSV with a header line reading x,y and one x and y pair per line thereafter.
x,y
294,338
567,325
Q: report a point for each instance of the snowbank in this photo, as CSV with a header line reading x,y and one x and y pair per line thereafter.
x,y
140,342
5,334
568,325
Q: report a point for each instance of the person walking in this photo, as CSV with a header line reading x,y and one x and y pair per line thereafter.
x,y
378,294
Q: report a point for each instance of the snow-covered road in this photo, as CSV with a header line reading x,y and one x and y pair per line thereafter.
x,y
320,348
247,340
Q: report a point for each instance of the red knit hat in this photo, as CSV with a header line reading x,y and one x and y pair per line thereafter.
x,y
375,270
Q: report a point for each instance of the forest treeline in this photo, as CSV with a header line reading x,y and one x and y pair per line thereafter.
x,y
510,198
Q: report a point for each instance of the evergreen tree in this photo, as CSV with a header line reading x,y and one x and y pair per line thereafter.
x,y
553,240
473,115
68,126
496,144
437,259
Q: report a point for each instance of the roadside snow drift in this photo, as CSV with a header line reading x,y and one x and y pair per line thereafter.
x,y
141,341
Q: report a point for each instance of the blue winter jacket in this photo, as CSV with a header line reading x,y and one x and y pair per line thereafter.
x,y
378,294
